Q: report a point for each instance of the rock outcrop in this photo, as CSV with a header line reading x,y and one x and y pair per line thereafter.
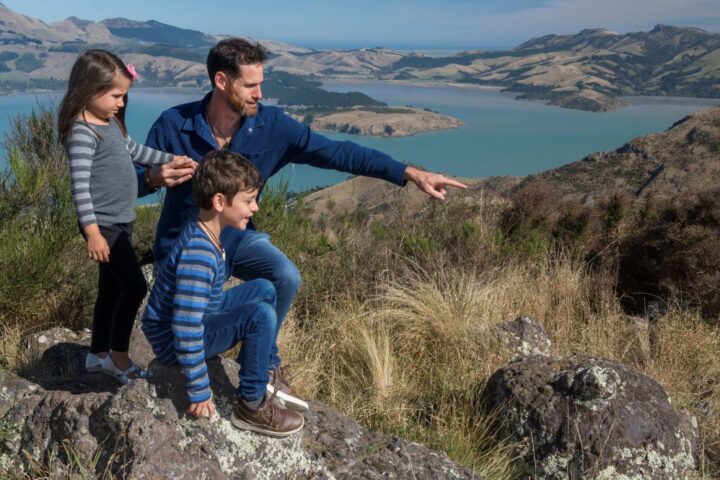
x,y
524,336
140,430
588,418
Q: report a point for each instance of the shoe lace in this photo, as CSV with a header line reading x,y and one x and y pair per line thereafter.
x,y
269,407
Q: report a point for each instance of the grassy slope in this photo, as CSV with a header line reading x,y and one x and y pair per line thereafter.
x,y
391,323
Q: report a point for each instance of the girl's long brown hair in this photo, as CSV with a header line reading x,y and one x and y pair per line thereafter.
x,y
93,73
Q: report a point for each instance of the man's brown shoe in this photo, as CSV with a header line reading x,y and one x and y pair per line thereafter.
x,y
279,386
269,418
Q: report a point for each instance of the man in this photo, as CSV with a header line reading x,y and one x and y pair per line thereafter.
x,y
231,117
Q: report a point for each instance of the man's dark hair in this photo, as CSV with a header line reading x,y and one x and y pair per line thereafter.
x,y
222,171
228,55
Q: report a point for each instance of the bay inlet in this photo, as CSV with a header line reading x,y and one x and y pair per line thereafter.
x,y
500,136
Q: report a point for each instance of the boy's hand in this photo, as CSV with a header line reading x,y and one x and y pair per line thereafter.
x,y
202,409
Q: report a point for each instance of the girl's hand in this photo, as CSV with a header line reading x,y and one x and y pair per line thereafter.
x,y
202,409
98,248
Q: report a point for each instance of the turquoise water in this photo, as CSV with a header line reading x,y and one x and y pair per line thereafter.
x,y
501,136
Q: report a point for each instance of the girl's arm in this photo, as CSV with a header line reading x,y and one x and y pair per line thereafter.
x,y
146,155
81,149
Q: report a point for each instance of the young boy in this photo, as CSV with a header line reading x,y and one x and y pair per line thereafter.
x,y
189,318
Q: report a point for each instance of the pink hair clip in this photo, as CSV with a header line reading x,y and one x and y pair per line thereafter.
x,y
131,71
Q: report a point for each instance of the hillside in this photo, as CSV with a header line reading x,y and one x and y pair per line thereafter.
x,y
684,158
38,56
588,71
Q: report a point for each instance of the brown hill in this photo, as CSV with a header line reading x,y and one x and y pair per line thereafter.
x,y
684,158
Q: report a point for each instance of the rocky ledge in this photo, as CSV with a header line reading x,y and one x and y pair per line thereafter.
x,y
140,430
384,121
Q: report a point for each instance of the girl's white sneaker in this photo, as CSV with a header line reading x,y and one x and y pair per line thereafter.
x,y
92,363
108,367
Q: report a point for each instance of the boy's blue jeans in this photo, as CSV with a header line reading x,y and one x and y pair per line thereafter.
x,y
256,257
246,314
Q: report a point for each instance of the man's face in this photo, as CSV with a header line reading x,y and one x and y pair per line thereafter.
x,y
243,92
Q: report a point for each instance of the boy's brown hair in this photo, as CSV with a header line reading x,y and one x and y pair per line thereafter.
x,y
222,171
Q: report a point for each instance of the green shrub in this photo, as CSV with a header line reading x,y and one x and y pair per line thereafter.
x,y
46,279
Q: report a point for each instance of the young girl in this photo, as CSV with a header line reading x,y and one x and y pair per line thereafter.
x,y
91,126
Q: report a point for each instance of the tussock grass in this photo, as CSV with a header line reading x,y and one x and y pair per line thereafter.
x,y
411,359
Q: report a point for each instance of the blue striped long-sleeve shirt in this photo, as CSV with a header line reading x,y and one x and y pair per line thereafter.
x,y
102,174
187,286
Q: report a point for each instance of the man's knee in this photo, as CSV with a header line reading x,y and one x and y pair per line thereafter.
x,y
287,278
266,290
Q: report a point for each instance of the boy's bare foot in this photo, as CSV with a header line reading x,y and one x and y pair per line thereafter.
x,y
269,418
279,386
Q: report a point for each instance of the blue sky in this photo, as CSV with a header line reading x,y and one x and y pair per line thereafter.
x,y
425,24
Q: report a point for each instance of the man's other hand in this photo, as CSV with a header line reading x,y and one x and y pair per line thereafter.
x,y
431,183
173,173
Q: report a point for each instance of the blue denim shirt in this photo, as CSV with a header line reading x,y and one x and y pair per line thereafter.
x,y
270,140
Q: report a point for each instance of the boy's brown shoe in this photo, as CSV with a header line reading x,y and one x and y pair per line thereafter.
x,y
269,418
279,386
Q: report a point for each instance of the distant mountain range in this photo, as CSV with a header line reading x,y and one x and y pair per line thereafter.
x,y
586,71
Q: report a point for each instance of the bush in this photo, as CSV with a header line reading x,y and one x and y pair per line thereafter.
x,y
46,278
672,253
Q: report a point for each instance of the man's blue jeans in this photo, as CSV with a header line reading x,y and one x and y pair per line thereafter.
x,y
256,257
246,314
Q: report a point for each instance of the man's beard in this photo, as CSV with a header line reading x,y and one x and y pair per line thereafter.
x,y
240,106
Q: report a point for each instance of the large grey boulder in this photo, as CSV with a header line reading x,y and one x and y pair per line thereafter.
x,y
588,418
140,430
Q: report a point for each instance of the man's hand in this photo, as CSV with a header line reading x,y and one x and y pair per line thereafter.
x,y
202,409
431,183
173,173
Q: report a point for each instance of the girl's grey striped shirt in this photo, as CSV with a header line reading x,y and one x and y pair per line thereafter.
x,y
103,178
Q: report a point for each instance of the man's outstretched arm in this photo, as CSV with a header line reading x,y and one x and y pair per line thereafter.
x,y
308,147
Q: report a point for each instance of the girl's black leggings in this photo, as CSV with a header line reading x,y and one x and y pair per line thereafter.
x,y
121,290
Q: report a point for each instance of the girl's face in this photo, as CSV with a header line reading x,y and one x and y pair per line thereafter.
x,y
105,105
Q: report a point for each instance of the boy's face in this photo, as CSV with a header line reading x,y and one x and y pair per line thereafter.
x,y
238,211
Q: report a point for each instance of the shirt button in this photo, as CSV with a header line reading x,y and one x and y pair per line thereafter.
x,y
249,130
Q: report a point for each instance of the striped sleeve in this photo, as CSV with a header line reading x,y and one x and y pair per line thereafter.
x,y
81,149
196,271
146,155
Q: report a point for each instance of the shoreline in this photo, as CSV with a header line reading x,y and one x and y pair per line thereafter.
x,y
410,83
632,100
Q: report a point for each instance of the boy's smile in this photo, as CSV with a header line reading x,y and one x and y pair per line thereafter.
x,y
238,211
